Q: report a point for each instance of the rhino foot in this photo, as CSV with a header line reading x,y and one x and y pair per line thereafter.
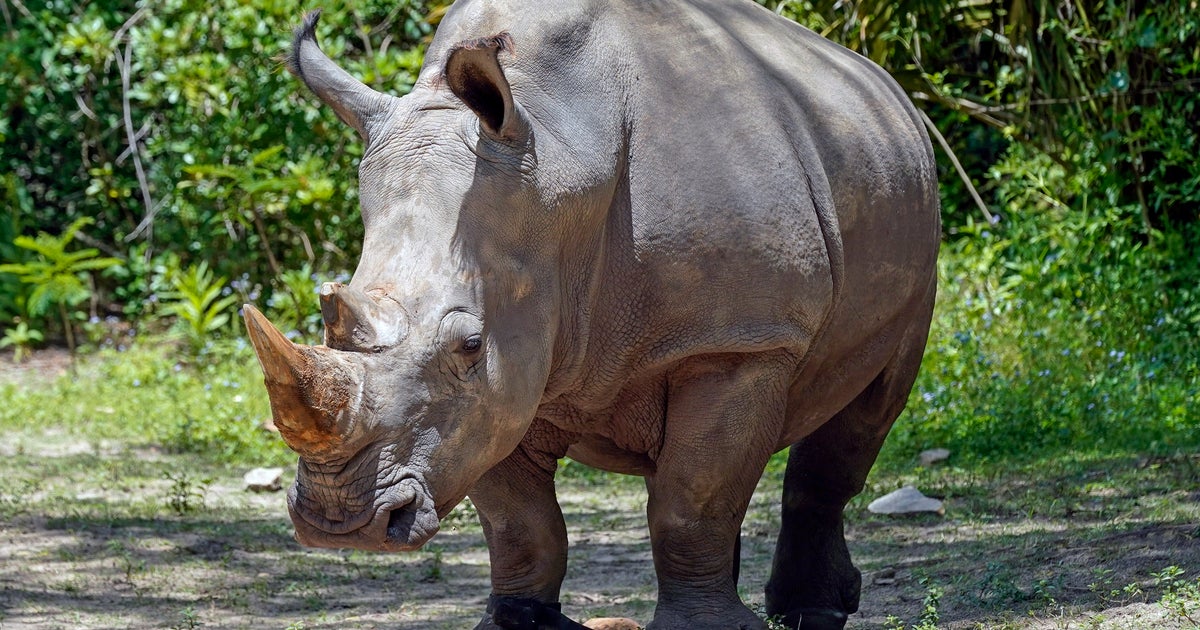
x,y
816,619
518,613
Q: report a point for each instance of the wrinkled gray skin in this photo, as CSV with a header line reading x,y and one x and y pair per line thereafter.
x,y
684,235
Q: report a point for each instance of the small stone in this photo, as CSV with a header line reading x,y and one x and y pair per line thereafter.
x,y
933,456
906,500
611,623
885,577
264,480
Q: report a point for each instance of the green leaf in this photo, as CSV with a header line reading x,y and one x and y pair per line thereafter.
x,y
263,156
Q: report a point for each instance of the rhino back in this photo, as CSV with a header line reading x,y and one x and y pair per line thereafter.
x,y
782,187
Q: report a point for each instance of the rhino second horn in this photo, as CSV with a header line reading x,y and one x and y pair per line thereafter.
x,y
355,103
346,312
288,370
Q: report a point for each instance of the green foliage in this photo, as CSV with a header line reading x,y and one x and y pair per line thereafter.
x,y
57,277
1107,86
189,619
1181,597
1059,329
200,301
15,201
142,280
21,338
930,609
173,124
295,305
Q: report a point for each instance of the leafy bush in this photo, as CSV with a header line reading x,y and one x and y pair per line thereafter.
x,y
295,305
1107,87
1059,329
174,125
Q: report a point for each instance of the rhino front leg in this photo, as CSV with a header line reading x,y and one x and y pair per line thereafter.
x,y
724,414
526,535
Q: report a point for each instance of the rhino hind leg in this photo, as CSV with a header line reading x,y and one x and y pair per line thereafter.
x,y
814,585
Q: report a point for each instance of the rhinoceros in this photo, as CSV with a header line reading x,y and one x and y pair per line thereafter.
x,y
667,238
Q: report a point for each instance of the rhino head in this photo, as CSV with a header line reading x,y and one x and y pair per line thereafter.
x,y
437,353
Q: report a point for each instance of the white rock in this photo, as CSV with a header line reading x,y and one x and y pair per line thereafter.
x,y
264,480
933,456
906,500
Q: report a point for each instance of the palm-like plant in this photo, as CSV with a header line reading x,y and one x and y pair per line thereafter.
x,y
197,302
20,338
58,277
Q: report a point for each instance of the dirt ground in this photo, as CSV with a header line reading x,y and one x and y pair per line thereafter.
x,y
91,537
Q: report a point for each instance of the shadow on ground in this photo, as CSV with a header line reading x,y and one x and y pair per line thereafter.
x,y
990,565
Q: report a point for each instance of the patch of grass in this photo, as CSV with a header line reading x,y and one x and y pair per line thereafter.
x,y
151,396
1017,371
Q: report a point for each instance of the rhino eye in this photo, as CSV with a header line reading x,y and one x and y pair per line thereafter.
x,y
472,344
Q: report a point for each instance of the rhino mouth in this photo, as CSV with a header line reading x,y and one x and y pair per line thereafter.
x,y
405,520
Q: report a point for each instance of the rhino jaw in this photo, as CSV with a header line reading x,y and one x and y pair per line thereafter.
x,y
313,393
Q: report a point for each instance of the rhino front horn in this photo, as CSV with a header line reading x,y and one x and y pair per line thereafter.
x,y
311,393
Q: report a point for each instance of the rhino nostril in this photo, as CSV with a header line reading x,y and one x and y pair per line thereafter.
x,y
401,520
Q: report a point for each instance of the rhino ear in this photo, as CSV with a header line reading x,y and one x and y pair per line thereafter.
x,y
356,104
475,76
